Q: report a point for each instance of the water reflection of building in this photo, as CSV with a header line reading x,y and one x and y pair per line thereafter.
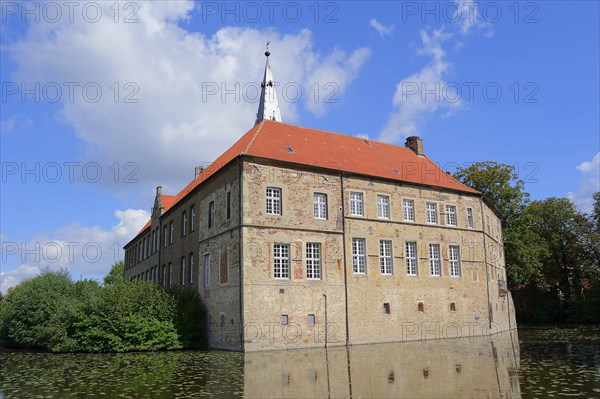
x,y
298,238
482,367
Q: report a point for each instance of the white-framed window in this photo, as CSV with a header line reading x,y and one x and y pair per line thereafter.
x,y
152,243
184,225
171,231
170,275
182,272
385,257
206,270
313,260
191,268
411,258
320,206
356,204
454,252
431,212
311,319
383,206
434,259
450,215
358,256
193,216
166,234
284,320
211,214
273,201
281,261
408,210
470,218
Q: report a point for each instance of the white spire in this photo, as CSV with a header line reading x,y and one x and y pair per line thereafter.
x,y
268,108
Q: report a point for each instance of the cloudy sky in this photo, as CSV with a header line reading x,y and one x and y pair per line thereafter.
x,y
103,101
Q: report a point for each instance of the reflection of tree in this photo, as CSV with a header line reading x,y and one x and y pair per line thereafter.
x,y
158,374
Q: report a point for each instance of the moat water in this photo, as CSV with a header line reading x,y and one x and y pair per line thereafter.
x,y
536,362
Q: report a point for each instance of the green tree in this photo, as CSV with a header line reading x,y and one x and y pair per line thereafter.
x,y
116,274
501,187
190,317
36,310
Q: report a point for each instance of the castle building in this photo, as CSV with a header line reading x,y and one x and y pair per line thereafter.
x,y
296,237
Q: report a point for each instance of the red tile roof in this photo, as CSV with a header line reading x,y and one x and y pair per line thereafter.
x,y
334,151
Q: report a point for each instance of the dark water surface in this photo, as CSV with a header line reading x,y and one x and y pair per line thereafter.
x,y
541,362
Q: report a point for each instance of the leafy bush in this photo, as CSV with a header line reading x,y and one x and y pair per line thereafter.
x,y
190,317
53,313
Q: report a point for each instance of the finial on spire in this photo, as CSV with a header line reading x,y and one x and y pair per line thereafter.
x,y
268,107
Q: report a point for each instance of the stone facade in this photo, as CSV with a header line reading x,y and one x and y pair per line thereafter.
x,y
255,231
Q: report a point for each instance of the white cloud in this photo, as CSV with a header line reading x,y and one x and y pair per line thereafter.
x,y
329,81
468,17
196,93
422,93
14,123
381,28
85,251
588,184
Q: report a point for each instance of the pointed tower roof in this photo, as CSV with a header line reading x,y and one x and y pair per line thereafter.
x,y
268,107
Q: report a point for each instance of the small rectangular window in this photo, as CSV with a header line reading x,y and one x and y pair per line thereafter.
x,y
452,306
356,204
193,221
228,205
313,261
408,210
171,231
383,206
184,225
470,218
284,320
411,258
273,201
358,256
166,234
385,257
311,319
182,272
281,261
170,275
434,259
454,260
386,308
421,307
206,270
211,214
450,215
191,274
320,206
431,212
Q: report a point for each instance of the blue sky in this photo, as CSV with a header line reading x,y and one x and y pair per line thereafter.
x,y
103,101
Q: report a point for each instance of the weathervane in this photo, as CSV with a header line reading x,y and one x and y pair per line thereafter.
x,y
267,53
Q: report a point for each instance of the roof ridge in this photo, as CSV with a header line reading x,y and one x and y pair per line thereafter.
x,y
339,134
260,125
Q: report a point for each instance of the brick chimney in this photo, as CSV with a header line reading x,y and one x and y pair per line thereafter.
x,y
415,144
159,191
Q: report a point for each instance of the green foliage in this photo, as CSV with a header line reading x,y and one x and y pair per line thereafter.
x,y
190,319
116,274
552,251
501,186
51,312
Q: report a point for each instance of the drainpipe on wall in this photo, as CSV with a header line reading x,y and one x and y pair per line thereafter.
x,y
487,273
344,255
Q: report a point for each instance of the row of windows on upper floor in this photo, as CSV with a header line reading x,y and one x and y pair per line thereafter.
x,y
274,206
149,245
313,262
